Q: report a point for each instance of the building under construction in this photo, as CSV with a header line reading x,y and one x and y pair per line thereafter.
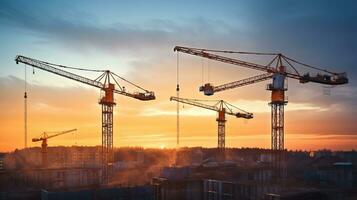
x,y
250,176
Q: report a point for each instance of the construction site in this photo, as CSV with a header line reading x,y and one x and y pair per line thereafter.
x,y
105,172
148,141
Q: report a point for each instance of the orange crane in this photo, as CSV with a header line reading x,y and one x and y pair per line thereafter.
x,y
278,69
222,108
44,137
108,83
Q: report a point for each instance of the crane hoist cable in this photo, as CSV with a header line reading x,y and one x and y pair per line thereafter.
x,y
25,108
205,70
25,104
208,71
202,71
178,103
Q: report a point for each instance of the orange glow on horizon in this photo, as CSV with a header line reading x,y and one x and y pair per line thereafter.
x,y
308,126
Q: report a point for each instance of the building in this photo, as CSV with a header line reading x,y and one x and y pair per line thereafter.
x,y
348,156
217,190
2,161
60,178
177,189
88,193
214,181
330,172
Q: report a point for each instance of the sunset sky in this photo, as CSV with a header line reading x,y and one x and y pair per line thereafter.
x,y
135,39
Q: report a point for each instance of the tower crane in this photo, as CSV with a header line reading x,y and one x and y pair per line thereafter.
x,y
222,108
108,83
278,69
44,137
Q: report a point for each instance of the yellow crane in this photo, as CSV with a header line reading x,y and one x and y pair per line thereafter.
x,y
44,137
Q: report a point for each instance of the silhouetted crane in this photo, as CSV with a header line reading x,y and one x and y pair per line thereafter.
x,y
44,137
278,69
106,82
222,108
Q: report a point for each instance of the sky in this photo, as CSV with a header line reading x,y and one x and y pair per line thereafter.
x,y
135,39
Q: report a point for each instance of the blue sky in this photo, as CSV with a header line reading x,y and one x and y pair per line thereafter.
x,y
125,36
320,32
136,39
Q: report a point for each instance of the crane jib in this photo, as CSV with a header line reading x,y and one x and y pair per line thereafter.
x,y
331,78
45,136
41,65
144,96
217,107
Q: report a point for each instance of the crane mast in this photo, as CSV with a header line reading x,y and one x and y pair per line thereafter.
x,y
279,74
107,83
222,108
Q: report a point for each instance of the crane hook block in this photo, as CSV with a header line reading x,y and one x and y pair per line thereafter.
x,y
207,89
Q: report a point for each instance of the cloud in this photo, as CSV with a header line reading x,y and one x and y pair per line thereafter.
x,y
320,33
82,34
315,36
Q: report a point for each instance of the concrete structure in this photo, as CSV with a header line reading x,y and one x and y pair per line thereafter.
x,y
218,190
58,157
216,181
